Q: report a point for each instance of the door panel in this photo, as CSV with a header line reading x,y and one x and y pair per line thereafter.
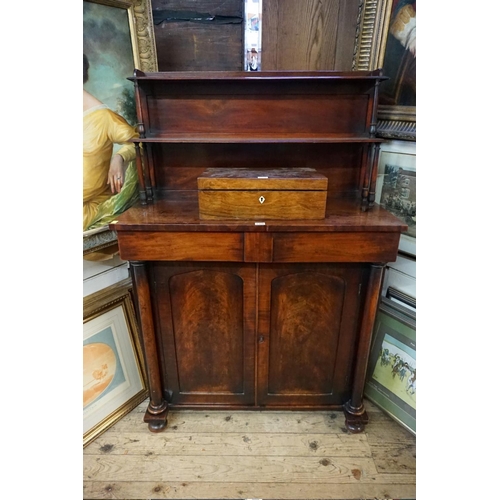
x,y
308,324
307,332
206,319
303,329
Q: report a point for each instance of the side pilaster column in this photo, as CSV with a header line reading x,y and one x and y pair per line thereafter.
x,y
156,413
354,410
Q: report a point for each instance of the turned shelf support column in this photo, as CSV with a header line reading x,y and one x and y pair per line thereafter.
x,y
355,414
157,411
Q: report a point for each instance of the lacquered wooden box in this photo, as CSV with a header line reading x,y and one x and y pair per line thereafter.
x,y
243,193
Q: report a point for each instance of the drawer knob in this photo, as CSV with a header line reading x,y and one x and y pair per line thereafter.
x,y
262,200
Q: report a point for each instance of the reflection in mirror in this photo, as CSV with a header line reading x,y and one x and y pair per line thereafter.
x,y
253,35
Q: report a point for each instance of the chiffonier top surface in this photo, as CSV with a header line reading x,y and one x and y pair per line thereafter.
x,y
181,213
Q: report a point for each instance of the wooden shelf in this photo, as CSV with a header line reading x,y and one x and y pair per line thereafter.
x,y
258,76
252,139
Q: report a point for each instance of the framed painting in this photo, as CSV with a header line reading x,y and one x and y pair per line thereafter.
x,y
397,188
386,38
118,36
392,366
114,376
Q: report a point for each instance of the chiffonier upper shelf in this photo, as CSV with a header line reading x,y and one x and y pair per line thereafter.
x,y
268,107
190,121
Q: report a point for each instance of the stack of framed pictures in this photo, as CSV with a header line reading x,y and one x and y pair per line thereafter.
x,y
392,366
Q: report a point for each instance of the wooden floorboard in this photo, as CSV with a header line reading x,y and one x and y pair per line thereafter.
x,y
250,455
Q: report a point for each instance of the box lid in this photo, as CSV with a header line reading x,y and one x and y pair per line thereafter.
x,y
304,179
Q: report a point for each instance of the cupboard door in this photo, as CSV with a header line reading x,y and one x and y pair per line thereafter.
x,y
307,330
205,316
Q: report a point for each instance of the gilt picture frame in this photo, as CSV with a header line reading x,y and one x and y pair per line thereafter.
x,y
378,45
131,22
114,373
118,36
392,367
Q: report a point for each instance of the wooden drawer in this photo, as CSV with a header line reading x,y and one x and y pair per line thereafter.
x,y
258,246
262,194
335,247
166,246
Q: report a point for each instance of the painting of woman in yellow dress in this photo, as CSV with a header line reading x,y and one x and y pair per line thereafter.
x,y
109,180
110,183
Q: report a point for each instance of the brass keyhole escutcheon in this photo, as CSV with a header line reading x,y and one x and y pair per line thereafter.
x,y
262,200
261,339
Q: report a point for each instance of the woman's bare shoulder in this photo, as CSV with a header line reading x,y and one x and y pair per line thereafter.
x,y
89,101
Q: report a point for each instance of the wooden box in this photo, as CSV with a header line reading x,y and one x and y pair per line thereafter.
x,y
285,193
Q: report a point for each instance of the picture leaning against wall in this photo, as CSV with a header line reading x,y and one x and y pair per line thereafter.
x,y
397,188
110,182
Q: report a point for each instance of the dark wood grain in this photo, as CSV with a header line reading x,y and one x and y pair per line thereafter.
x,y
356,417
257,114
156,416
307,318
300,34
258,247
283,76
335,247
206,318
180,165
180,213
181,246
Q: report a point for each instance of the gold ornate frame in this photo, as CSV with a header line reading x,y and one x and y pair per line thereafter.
x,y
140,18
394,122
95,305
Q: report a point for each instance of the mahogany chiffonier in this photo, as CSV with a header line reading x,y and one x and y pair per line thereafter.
x,y
256,313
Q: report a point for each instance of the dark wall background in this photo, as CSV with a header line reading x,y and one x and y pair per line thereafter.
x,y
296,34
186,43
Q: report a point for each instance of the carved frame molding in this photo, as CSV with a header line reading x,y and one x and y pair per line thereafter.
x,y
394,122
140,19
146,45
